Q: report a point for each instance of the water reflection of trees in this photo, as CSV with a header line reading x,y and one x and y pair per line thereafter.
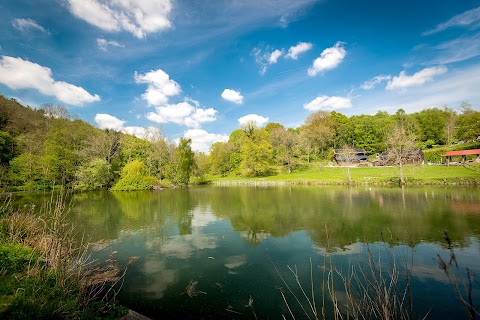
x,y
103,215
409,215
367,214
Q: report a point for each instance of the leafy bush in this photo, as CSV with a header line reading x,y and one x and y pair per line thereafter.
x,y
134,177
15,257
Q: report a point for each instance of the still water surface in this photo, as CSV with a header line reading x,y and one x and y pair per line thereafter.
x,y
230,239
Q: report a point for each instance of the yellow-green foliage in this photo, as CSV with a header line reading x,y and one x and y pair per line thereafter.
x,y
135,177
15,257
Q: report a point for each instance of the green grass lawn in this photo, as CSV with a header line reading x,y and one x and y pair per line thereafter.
x,y
425,174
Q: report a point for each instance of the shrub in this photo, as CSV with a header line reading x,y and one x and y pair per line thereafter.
x,y
15,257
134,177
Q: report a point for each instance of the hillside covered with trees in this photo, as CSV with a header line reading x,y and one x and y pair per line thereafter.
x,y
48,147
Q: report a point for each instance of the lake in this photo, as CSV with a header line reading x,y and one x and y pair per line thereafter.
x,y
221,252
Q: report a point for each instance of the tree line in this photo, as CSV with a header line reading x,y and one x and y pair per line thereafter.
x,y
48,147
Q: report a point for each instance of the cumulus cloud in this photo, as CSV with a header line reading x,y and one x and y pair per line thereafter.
x,y
265,57
468,18
202,140
274,56
183,113
329,59
258,120
403,81
17,73
106,121
297,50
160,87
137,17
327,103
232,96
139,132
372,83
104,44
27,24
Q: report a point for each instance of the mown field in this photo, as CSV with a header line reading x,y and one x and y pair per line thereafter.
x,y
426,174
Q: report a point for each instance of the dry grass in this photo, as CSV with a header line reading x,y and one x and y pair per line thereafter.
x,y
53,240
371,289
461,282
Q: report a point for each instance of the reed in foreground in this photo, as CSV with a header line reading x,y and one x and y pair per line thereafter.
x,y
371,289
51,275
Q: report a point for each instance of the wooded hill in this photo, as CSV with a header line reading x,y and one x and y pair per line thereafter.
x,y
47,147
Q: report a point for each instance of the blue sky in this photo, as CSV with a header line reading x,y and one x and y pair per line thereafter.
x,y
200,68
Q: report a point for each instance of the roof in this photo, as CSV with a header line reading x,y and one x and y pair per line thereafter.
x,y
353,150
461,153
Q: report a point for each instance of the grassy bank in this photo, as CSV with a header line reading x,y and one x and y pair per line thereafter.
x,y
414,175
43,271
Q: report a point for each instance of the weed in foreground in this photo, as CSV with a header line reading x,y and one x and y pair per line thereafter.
x,y
50,274
372,289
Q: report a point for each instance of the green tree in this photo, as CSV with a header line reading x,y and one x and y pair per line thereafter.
x,y
257,153
367,132
183,162
468,123
133,148
220,153
284,144
7,148
237,138
59,159
431,125
134,177
157,152
319,129
94,175
201,165
450,122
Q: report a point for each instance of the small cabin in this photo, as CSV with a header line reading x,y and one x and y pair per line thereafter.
x,y
410,157
349,157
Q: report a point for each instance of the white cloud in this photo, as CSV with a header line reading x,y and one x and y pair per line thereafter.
x,y
264,57
27,24
459,84
138,17
182,113
456,50
274,56
470,17
17,73
106,121
200,116
258,120
202,140
138,132
297,50
329,59
372,83
328,103
160,87
403,81
232,96
104,44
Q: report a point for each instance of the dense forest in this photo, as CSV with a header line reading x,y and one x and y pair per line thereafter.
x,y
46,147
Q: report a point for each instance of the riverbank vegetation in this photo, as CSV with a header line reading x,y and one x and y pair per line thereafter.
x,y
43,271
47,148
